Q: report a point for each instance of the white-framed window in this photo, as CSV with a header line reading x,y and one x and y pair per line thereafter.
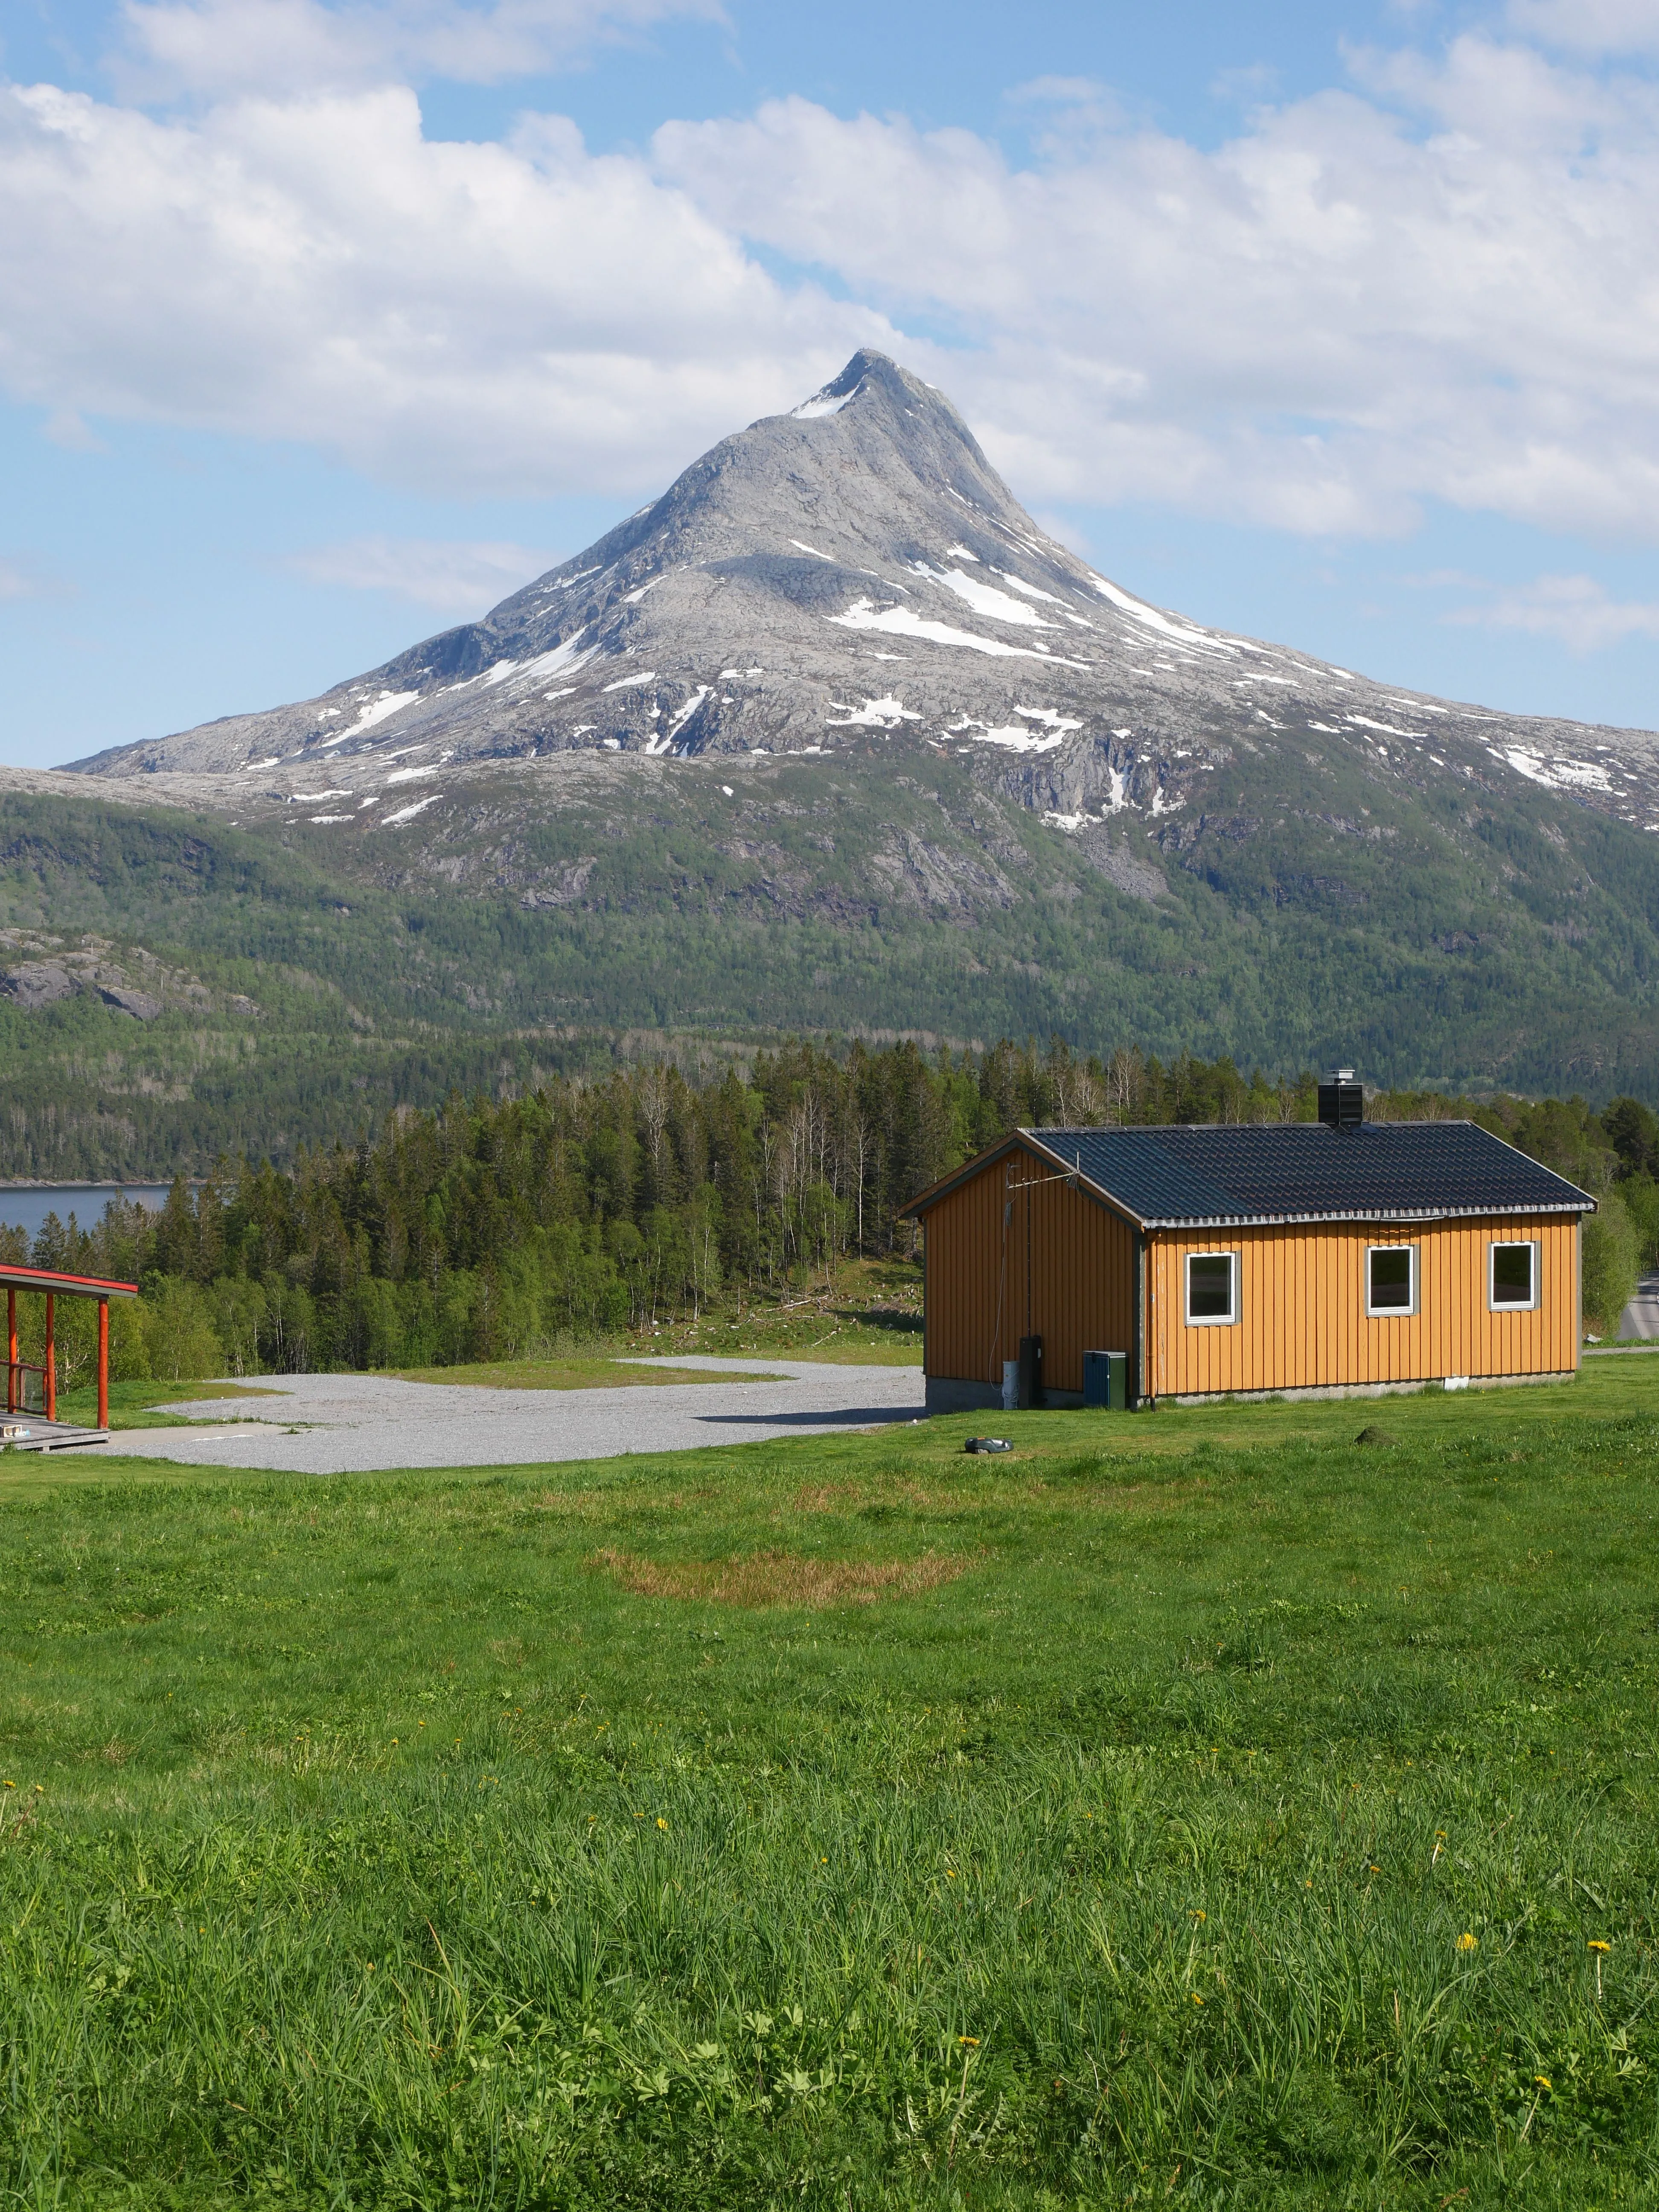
x,y
1212,1289
1390,1280
1512,1276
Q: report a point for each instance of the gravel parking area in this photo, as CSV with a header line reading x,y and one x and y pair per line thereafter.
x,y
360,1424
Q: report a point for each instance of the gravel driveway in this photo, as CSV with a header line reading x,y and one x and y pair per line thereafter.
x,y
357,1424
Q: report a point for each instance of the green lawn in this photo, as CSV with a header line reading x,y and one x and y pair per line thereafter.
x,y
600,1372
143,1405
1194,1807
869,1314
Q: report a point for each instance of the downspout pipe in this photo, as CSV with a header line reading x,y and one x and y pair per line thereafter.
x,y
1137,1349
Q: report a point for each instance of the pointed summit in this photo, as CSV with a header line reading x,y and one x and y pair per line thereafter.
x,y
914,415
847,574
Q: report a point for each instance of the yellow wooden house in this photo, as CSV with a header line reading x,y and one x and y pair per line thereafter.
x,y
1327,1257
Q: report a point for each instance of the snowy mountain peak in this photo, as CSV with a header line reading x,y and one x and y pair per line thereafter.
x,y
854,572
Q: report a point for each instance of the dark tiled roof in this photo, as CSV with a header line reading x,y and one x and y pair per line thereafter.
x,y
1303,1170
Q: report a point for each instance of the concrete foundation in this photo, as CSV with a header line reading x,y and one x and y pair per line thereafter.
x,y
946,1395
33,1432
1369,1389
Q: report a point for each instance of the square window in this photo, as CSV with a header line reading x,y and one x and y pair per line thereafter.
x,y
1211,1286
1391,1279
1514,1281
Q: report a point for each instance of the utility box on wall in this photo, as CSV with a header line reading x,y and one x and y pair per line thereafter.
x,y
1031,1372
1106,1381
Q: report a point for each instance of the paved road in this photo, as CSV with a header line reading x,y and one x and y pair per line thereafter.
x,y
1639,1322
359,1424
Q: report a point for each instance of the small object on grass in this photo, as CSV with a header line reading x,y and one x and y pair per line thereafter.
x,y
988,1444
1370,1434
1599,1951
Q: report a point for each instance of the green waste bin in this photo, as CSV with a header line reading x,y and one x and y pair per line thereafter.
x,y
1106,1381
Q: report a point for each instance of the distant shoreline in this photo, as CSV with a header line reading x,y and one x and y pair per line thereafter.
x,y
133,1182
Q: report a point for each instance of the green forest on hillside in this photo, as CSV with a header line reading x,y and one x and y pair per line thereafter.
x,y
323,979
500,1231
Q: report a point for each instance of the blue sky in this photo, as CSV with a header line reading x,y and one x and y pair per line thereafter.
x,y
323,326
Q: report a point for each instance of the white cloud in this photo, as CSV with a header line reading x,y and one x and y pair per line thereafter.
x,y
522,316
15,582
220,46
1319,325
65,428
459,579
1576,610
1611,26
1434,286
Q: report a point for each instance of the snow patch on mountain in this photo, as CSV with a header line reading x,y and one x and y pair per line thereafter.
x,y
904,622
873,714
374,711
408,813
983,598
1558,774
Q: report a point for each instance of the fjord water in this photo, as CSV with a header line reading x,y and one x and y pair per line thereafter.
x,y
26,1206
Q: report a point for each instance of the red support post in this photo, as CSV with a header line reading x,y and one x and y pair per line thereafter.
x,y
51,1360
103,1363
11,1349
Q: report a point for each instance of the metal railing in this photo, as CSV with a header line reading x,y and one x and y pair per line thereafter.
x,y
26,1388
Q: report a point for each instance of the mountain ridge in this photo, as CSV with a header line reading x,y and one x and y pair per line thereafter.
x,y
858,564
830,738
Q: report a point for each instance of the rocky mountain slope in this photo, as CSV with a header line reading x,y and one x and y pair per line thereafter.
x,y
831,737
854,566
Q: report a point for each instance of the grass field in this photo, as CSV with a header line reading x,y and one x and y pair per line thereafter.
x,y
869,1314
598,1373
1194,1807
143,1405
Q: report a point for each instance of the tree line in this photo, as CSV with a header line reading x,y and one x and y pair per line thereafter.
x,y
584,1208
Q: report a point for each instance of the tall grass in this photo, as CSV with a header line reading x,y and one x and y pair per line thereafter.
x,y
1233,1829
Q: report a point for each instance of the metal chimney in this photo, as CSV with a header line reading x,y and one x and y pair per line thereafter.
x,y
1341,1100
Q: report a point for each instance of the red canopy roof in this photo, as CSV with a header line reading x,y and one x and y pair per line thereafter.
x,y
70,1286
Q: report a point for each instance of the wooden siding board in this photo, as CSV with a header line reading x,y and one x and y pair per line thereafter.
x,y
1082,1292
1302,1322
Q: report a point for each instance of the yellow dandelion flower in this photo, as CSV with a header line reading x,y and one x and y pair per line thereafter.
x,y
1197,2000
1468,1942
972,2041
662,1823
1197,1916
1542,2079
1596,1944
